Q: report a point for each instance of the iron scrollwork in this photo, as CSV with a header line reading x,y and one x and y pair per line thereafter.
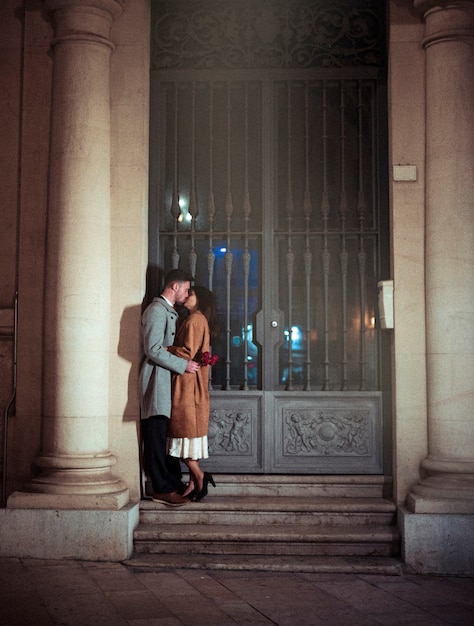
x,y
268,34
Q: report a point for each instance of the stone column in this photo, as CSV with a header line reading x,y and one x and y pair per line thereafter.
x,y
447,483
75,463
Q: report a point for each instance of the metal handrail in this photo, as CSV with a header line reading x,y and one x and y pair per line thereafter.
x,y
10,402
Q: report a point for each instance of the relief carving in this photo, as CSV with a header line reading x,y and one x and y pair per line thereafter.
x,y
267,34
330,432
229,431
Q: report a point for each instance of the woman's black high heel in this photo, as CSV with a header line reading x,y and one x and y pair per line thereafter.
x,y
192,494
203,493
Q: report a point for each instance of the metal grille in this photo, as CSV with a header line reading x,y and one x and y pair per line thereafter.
x,y
275,180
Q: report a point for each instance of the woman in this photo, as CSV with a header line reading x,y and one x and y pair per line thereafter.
x,y
188,426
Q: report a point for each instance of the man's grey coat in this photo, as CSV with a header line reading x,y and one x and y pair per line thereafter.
x,y
158,332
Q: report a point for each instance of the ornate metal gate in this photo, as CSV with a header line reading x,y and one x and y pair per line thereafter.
x,y
267,136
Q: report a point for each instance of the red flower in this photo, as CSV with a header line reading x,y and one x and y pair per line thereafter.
x,y
209,359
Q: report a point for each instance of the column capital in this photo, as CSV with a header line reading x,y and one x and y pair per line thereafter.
x,y
114,7
423,6
446,20
82,20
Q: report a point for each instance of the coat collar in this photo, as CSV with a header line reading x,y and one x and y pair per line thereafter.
x,y
169,307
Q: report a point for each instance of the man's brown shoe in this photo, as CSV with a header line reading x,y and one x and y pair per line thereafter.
x,y
170,499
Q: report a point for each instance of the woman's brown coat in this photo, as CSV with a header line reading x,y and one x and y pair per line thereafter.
x,y
190,392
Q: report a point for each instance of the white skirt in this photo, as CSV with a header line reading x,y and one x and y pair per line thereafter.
x,y
195,448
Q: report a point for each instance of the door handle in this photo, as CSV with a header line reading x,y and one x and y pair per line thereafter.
x,y
274,321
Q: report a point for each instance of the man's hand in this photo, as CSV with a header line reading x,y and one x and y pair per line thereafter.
x,y
192,367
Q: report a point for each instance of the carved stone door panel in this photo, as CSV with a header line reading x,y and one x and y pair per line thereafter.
x,y
266,185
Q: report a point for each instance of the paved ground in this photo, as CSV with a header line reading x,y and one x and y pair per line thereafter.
x,y
82,593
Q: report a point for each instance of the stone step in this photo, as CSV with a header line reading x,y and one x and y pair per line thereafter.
x,y
273,510
301,486
274,539
280,523
383,566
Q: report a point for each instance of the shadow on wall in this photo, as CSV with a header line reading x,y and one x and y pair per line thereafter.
x,y
154,279
129,345
130,348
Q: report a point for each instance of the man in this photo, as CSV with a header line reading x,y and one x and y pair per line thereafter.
x,y
158,331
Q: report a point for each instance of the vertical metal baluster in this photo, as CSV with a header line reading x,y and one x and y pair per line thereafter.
x,y
246,255
326,257
361,256
308,257
193,205
375,243
175,209
290,257
211,205
343,256
228,257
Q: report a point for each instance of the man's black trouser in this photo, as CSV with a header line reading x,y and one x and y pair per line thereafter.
x,y
163,470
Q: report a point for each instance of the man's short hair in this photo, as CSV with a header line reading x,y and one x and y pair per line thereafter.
x,y
177,276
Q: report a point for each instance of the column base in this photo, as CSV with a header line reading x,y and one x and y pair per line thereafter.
x,y
446,487
96,535
84,479
441,544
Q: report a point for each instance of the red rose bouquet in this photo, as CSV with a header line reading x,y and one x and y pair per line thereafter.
x,y
209,359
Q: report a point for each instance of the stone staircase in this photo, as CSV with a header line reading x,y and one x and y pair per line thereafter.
x,y
278,523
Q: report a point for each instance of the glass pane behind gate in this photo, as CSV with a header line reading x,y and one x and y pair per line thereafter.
x,y
325,268
210,221
236,349
326,233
